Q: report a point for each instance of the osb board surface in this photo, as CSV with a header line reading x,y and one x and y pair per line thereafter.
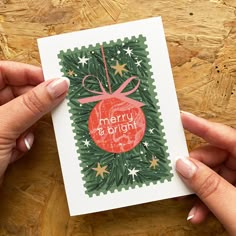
x,y
201,37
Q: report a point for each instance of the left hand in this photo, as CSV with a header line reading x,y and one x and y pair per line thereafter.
x,y
24,99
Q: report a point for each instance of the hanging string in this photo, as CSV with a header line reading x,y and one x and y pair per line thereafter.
x,y
105,65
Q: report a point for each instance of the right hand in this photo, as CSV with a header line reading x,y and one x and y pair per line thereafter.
x,y
211,171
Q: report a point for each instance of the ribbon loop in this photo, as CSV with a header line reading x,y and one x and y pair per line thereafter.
x,y
103,91
124,85
117,94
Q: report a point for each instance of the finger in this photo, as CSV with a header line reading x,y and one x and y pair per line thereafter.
x,y
198,213
18,74
210,155
218,195
22,112
9,93
231,163
23,145
17,91
16,155
218,159
228,174
216,134
25,142
6,95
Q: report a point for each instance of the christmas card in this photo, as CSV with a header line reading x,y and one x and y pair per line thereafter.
x,y
119,129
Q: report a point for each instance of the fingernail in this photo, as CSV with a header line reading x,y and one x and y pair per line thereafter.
x,y
29,139
187,113
58,87
185,167
191,214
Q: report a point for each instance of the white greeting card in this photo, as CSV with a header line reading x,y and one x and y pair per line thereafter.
x,y
119,129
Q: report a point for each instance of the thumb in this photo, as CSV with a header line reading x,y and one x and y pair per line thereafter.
x,y
218,194
22,112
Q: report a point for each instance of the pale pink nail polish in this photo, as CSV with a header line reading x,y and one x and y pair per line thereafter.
x,y
58,87
185,167
29,139
191,214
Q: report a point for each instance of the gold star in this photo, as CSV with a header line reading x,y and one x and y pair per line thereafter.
x,y
70,72
100,170
119,68
153,162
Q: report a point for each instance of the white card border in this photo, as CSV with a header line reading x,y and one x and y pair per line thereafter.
x,y
152,29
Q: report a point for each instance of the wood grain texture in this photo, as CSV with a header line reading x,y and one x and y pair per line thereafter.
x,y
201,39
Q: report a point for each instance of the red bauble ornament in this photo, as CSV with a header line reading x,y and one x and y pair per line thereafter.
x,y
116,126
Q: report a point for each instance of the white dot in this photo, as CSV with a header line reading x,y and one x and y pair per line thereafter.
x,y
118,52
141,152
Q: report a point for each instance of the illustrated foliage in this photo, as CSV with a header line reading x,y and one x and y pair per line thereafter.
x,y
147,162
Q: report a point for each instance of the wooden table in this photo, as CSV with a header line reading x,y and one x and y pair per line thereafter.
x,y
201,39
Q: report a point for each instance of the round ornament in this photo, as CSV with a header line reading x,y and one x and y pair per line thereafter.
x,y
116,126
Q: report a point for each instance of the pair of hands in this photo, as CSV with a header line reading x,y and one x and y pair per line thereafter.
x,y
210,171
